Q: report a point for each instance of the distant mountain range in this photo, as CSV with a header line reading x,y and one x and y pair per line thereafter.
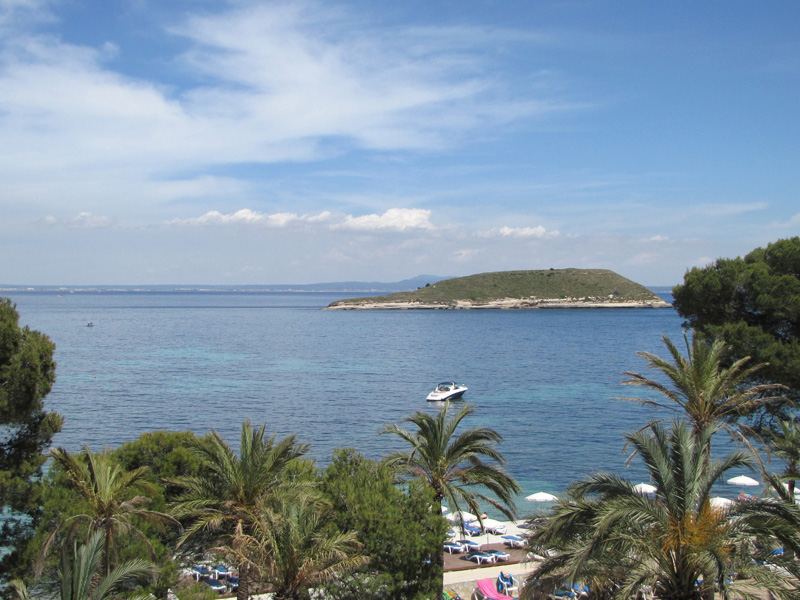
x,y
351,287
337,286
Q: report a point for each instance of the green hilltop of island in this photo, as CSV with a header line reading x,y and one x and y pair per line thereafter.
x,y
551,288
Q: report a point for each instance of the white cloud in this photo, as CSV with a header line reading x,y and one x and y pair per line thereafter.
x,y
527,232
323,216
247,216
398,219
259,83
84,220
12,12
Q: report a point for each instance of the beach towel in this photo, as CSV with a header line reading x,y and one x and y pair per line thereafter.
x,y
486,587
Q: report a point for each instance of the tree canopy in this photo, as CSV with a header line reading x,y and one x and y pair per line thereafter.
x,y
27,373
395,525
674,542
753,303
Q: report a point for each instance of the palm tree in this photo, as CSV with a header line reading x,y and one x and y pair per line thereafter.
x,y
292,547
452,464
77,570
223,498
700,387
617,538
112,496
786,446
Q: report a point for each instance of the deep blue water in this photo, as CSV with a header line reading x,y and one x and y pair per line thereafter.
x,y
545,379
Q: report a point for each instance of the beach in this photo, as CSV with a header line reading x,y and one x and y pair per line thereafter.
x,y
461,575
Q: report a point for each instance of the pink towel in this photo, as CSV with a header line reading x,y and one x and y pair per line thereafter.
x,y
486,587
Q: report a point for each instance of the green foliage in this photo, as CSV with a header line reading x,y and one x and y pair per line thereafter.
x,y
291,547
551,284
153,456
197,591
610,535
78,573
166,454
753,303
785,445
27,373
700,387
457,466
222,499
116,498
396,526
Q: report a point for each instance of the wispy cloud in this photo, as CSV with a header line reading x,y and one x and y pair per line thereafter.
x,y
725,209
527,232
259,83
394,219
84,220
398,219
246,216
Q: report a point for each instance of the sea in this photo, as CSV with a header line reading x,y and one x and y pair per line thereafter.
x,y
548,380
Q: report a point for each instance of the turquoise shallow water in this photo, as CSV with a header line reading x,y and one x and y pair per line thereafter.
x,y
545,379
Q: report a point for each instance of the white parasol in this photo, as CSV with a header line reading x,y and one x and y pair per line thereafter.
x,y
720,502
541,497
494,526
796,488
459,516
743,480
645,488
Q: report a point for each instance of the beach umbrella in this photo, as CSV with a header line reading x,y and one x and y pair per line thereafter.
x,y
460,515
645,488
742,480
493,525
720,502
541,497
796,489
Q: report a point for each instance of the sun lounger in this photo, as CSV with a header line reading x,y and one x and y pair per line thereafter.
x,y
487,591
481,557
472,530
575,590
514,541
470,545
216,585
499,555
454,547
221,571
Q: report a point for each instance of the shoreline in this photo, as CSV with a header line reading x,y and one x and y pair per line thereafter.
x,y
499,304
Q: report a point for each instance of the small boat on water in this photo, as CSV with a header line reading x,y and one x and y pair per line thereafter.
x,y
447,390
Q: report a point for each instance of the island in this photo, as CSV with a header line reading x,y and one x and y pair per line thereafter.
x,y
542,289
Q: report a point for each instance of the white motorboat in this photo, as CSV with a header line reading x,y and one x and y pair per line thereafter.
x,y
447,390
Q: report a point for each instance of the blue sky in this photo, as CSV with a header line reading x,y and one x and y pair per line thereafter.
x,y
296,142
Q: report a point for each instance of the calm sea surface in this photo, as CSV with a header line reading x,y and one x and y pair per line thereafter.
x,y
545,379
